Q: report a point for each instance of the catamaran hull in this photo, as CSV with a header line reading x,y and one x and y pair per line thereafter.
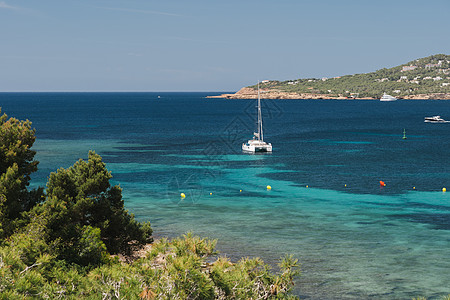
x,y
258,148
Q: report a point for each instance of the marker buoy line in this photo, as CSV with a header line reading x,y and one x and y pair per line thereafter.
x,y
183,195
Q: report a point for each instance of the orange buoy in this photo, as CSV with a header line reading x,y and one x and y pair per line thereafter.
x,y
382,183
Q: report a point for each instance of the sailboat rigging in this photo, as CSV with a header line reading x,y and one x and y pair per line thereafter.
x,y
257,144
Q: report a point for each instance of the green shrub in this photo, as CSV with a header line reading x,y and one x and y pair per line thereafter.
x,y
60,248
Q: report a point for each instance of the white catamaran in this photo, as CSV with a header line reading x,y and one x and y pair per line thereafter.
x,y
257,144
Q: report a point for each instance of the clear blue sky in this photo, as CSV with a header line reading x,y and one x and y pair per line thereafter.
x,y
207,45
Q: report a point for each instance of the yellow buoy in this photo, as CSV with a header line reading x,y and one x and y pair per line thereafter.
x,y
210,193
444,189
306,186
183,195
269,187
240,191
345,185
414,187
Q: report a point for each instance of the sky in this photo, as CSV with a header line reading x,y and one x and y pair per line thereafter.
x,y
208,45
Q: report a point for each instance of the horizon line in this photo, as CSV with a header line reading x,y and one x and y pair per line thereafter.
x,y
107,91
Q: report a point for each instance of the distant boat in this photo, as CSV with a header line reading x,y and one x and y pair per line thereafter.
x,y
435,119
257,144
387,97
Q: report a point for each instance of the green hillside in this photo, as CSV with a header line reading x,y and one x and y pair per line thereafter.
x,y
427,75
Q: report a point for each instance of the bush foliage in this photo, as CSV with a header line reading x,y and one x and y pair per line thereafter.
x,y
170,270
58,244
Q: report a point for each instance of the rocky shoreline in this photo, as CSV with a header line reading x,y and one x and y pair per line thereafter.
x,y
249,93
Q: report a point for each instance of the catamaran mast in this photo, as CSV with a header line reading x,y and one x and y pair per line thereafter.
x,y
260,128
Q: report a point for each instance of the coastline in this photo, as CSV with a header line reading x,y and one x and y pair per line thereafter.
x,y
249,93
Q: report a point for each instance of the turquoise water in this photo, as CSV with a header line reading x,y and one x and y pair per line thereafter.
x,y
354,239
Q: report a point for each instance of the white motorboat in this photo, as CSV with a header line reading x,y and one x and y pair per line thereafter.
x,y
387,97
435,119
257,144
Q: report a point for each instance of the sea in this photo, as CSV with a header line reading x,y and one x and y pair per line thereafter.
x,y
354,237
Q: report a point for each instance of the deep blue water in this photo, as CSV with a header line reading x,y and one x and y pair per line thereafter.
x,y
355,240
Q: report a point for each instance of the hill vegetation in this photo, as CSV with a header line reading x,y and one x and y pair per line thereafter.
x,y
427,77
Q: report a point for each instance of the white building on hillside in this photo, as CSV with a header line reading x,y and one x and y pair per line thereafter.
x,y
408,68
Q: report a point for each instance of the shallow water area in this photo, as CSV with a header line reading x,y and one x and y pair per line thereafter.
x,y
354,238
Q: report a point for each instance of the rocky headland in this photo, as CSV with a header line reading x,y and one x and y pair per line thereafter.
x,y
250,93
424,78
